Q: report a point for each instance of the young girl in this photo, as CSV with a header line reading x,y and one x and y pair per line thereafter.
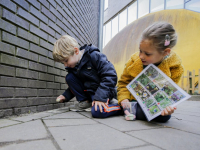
x,y
155,48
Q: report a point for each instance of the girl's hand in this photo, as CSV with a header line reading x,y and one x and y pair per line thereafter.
x,y
60,98
168,111
125,103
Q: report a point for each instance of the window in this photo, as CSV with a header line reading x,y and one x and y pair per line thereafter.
x,y
157,5
122,19
105,4
108,32
143,7
132,12
193,5
114,26
174,4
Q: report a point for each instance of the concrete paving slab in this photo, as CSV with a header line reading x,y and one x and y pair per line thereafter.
x,y
60,110
24,131
121,124
90,137
68,122
87,114
145,148
66,115
186,117
6,122
170,139
187,126
29,117
31,145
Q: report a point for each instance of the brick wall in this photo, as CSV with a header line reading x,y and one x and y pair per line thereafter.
x,y
30,80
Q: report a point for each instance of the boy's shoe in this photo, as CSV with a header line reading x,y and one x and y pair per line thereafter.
x,y
82,106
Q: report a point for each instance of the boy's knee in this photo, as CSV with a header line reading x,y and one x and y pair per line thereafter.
x,y
96,114
69,77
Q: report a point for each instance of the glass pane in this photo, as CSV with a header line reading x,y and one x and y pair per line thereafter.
x,y
174,4
105,4
108,32
143,7
104,31
157,5
193,5
122,19
132,12
114,26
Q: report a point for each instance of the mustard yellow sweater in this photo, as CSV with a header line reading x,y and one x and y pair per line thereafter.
x,y
171,66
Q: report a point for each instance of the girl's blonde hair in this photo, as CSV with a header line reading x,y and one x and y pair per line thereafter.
x,y
157,33
64,47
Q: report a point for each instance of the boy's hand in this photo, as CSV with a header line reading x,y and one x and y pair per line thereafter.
x,y
125,103
168,111
60,98
100,104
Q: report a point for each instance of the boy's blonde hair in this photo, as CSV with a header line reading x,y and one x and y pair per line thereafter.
x,y
64,47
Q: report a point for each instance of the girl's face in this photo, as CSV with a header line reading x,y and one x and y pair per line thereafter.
x,y
148,53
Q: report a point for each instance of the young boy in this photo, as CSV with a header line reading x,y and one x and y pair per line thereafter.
x,y
91,78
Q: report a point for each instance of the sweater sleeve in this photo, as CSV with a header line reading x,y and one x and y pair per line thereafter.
x,y
176,73
125,79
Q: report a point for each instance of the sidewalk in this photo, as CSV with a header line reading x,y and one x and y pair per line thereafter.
x,y
62,129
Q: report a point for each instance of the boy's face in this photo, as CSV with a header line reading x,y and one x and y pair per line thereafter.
x,y
72,60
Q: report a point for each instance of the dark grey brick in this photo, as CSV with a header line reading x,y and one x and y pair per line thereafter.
x,y
28,36
26,73
45,3
60,3
26,15
46,77
50,55
52,100
52,2
54,26
47,29
59,105
11,60
52,40
59,23
46,45
12,102
24,110
34,3
49,106
60,10
22,3
36,84
38,49
55,12
58,35
6,112
51,85
26,54
8,4
7,48
7,70
38,14
47,13
59,79
22,92
13,82
58,92
63,73
59,65
46,61
6,92
14,40
38,100
15,19
7,26
64,86
42,108
45,92
53,71
38,32
36,66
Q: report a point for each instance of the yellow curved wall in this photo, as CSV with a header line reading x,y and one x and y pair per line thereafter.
x,y
186,24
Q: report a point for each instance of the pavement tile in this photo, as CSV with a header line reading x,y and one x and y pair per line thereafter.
x,y
29,117
66,115
87,114
121,124
6,122
31,145
145,148
25,131
68,122
186,117
60,110
170,139
90,137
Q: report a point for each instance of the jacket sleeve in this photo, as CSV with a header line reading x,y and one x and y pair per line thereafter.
x,y
125,79
68,95
176,73
107,74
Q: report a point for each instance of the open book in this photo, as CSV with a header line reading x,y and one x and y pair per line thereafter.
x,y
154,91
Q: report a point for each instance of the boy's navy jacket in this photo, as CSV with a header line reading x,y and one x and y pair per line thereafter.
x,y
97,74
